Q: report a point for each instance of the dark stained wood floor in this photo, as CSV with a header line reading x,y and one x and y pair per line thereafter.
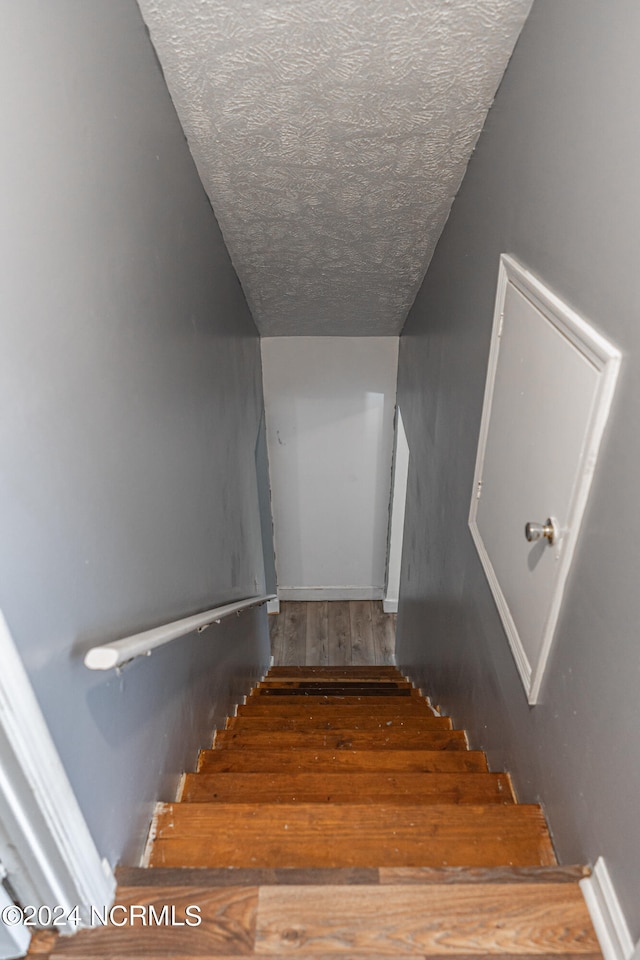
x,y
333,633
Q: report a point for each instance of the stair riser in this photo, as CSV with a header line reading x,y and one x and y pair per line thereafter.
x,y
347,876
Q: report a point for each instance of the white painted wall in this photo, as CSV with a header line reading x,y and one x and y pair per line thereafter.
x,y
329,405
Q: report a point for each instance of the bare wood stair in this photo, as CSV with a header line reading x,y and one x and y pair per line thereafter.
x,y
338,816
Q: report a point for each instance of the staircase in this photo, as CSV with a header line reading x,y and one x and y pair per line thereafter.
x,y
338,815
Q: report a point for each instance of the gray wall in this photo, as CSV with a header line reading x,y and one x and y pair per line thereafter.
x,y
554,181
130,403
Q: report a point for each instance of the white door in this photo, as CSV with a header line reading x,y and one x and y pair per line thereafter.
x,y
549,386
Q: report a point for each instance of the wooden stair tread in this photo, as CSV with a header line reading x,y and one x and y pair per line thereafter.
x,y
366,921
417,761
338,716
342,740
305,834
478,788
365,707
353,690
338,722
324,700
342,683
227,928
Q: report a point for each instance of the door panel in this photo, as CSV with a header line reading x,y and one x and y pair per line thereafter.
x,y
549,387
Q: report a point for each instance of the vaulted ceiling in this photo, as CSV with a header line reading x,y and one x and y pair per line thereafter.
x,y
331,137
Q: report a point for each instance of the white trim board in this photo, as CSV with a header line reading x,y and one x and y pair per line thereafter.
x,y
16,937
605,359
606,915
330,593
399,481
45,844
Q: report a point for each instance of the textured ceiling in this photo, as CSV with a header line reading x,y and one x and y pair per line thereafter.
x,y
331,137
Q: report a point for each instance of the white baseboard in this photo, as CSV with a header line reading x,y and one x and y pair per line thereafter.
x,y
273,606
389,605
330,593
606,914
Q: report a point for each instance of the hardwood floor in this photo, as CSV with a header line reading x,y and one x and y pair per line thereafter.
x,y
332,633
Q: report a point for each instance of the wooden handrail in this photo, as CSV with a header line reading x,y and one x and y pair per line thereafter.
x,y
110,655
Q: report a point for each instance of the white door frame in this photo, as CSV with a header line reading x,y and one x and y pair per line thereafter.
x,y
396,516
14,938
45,845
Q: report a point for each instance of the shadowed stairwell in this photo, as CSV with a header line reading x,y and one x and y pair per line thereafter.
x,y
338,815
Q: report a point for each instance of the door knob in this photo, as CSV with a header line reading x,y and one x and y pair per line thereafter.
x,y
540,531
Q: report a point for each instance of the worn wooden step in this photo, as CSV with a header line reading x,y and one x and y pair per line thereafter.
x,y
354,761
313,673
365,707
338,722
345,835
342,683
326,702
353,690
330,919
345,739
478,788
